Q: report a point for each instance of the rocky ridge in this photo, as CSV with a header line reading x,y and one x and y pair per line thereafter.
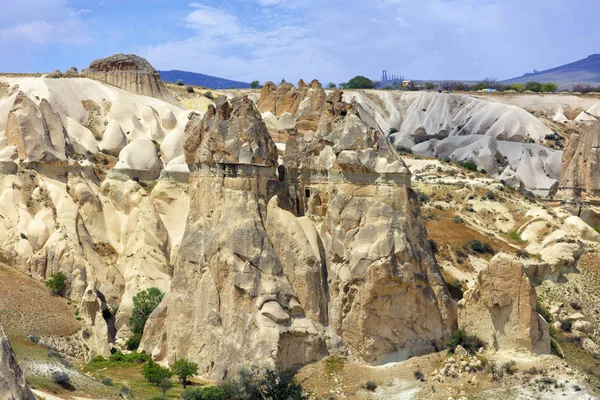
x,y
580,175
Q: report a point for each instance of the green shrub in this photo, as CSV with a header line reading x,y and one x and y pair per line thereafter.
x,y
419,375
133,342
183,369
549,87
490,195
393,130
469,165
522,253
458,219
107,381
255,84
543,311
509,367
57,283
143,304
434,246
61,378
331,85
534,86
597,228
269,385
179,82
189,89
405,150
480,247
566,325
471,343
371,386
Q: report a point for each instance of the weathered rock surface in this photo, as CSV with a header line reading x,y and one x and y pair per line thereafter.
x,y
279,266
501,309
12,381
132,73
580,175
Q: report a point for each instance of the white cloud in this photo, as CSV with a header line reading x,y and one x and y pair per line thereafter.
x,y
41,22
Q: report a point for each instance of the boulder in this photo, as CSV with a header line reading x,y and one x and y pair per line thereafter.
x,y
501,308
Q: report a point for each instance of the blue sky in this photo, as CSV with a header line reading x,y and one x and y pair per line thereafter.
x,y
332,40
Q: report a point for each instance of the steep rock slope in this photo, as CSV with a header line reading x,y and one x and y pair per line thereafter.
x,y
580,175
132,73
281,265
12,381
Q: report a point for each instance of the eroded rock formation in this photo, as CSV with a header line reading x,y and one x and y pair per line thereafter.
x,y
501,308
580,175
281,265
12,381
132,73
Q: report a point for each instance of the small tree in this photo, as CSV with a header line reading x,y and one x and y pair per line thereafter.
x,y
429,85
57,283
179,82
360,82
331,85
549,87
255,84
143,304
156,374
184,368
582,87
189,89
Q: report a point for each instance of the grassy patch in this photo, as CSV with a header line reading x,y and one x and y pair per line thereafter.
x,y
334,364
515,237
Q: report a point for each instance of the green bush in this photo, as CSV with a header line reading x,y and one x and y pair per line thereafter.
x,y
371,386
515,237
458,219
517,87
107,381
480,247
566,325
434,246
469,165
331,85
143,304
533,86
490,195
419,375
133,342
255,84
549,87
189,89
359,82
597,228
405,150
57,283
509,367
393,130
206,393
179,82
183,369
471,343
61,378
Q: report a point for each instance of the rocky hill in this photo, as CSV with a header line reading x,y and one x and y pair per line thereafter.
x,y
196,79
586,70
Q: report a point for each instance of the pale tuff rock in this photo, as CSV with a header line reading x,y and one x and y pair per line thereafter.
x,y
277,267
12,381
28,130
229,133
114,139
501,309
581,165
132,73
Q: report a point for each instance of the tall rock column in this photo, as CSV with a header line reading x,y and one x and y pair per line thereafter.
x,y
230,303
12,381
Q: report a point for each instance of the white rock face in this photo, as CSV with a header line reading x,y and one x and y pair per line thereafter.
x,y
114,139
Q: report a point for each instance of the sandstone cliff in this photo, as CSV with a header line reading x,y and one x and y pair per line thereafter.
x,y
132,73
501,309
12,381
281,265
580,175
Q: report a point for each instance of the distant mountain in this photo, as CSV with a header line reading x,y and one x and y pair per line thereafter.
x,y
192,78
585,71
